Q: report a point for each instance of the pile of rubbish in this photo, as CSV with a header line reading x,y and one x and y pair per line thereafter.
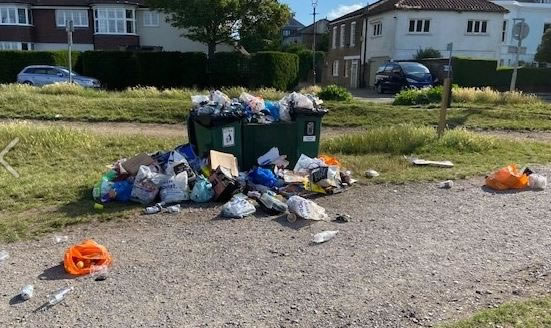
x,y
173,177
253,109
512,177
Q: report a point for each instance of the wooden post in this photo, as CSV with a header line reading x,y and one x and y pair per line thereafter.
x,y
446,94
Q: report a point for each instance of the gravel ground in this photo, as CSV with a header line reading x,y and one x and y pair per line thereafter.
x,y
413,255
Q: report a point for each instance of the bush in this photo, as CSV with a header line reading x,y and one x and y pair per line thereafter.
x,y
230,69
12,62
311,90
469,72
272,69
427,53
423,96
119,70
334,92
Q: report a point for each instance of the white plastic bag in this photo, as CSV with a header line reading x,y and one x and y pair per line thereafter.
x,y
255,103
197,101
219,98
537,181
238,207
305,164
301,101
146,185
306,209
175,189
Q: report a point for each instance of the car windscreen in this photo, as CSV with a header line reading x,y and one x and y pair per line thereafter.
x,y
414,69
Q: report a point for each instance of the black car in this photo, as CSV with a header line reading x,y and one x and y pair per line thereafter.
x,y
394,77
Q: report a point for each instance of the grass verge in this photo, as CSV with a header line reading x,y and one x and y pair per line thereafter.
x,y
59,166
526,314
150,105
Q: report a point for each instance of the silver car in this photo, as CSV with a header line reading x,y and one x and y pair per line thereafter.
x,y
40,75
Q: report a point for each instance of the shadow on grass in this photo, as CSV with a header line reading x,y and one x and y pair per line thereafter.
x,y
456,119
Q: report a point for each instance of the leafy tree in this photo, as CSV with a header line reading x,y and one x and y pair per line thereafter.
x,y
323,43
544,50
214,22
427,53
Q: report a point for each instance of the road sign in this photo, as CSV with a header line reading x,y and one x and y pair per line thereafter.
x,y
449,46
520,31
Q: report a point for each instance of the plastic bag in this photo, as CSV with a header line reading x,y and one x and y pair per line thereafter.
x,y
175,189
238,207
306,209
305,164
146,185
219,98
285,110
509,177
202,191
123,191
326,177
330,160
263,177
80,259
273,108
199,100
103,188
537,181
177,163
301,101
256,104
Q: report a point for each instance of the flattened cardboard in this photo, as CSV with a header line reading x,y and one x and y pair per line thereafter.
x,y
133,164
225,161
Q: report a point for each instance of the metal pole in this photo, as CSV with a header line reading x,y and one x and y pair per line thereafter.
x,y
314,3
515,68
70,29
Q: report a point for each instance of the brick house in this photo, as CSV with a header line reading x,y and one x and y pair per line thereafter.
x,y
99,25
397,29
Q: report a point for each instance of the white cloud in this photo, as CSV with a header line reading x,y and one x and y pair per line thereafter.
x,y
343,10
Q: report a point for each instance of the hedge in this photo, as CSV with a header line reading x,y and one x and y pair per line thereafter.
x,y
230,69
528,79
305,65
12,62
121,69
274,70
468,72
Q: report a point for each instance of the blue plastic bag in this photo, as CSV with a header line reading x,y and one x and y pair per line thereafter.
x,y
202,190
273,108
123,190
263,177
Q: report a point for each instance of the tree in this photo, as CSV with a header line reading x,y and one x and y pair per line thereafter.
x,y
544,50
214,22
427,53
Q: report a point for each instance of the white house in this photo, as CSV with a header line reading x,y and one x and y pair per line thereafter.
x,y
537,14
397,29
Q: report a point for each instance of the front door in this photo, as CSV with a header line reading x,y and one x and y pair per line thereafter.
x,y
354,75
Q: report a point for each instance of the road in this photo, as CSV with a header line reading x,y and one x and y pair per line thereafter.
x,y
413,255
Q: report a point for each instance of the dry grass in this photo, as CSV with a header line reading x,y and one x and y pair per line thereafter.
x,y
490,96
311,90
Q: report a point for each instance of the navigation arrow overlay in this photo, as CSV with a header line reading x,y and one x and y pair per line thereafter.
x,y
6,164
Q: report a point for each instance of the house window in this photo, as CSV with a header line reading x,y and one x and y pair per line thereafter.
x,y
477,27
377,28
152,19
79,17
14,16
346,67
353,34
114,21
419,25
9,45
336,68
504,32
334,37
546,27
285,32
343,31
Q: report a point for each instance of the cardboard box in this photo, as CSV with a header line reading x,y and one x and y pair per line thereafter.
x,y
132,165
225,161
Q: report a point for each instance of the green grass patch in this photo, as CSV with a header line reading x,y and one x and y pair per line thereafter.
x,y
523,314
383,149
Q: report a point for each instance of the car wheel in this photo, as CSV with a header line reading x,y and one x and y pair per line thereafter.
x,y
380,89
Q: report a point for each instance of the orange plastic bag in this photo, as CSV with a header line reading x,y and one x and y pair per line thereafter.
x,y
509,177
330,160
80,259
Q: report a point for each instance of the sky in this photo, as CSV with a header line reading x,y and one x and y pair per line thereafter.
x,y
329,9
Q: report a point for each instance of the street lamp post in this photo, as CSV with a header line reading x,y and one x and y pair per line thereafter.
x,y
314,5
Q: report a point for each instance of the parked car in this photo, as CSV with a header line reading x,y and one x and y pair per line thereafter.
x,y
395,76
40,75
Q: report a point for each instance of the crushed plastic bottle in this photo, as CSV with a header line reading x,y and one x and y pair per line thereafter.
x,y
371,174
4,255
173,209
153,209
324,236
446,184
61,239
58,296
269,200
27,292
